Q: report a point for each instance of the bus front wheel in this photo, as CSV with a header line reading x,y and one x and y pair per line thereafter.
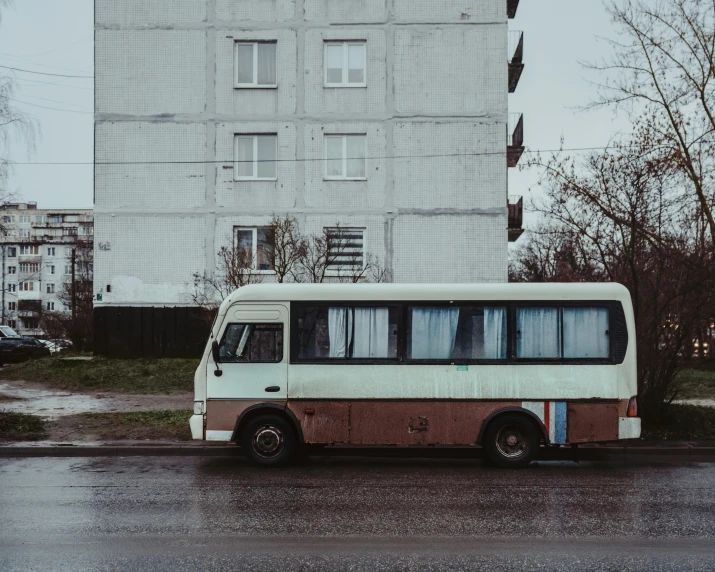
x,y
511,441
269,440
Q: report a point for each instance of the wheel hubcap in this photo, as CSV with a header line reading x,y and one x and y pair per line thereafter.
x,y
511,442
268,441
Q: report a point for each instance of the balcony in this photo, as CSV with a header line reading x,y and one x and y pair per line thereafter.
x,y
516,217
516,63
515,139
511,7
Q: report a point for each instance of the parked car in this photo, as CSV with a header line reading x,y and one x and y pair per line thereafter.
x,y
19,349
8,332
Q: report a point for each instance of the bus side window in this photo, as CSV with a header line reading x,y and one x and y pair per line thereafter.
x,y
245,343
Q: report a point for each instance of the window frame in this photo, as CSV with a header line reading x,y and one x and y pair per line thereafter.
x,y
345,64
254,84
511,306
254,163
344,137
281,353
254,247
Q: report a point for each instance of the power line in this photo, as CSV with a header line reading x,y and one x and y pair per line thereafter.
x,y
54,108
306,160
45,73
24,83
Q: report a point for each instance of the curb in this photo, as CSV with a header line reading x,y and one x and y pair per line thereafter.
x,y
679,454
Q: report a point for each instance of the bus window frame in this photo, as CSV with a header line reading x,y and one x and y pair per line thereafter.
x,y
402,324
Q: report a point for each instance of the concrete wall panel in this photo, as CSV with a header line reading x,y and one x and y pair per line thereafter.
x,y
346,11
255,10
462,11
143,13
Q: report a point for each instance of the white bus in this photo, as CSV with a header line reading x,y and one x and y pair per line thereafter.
x,y
506,367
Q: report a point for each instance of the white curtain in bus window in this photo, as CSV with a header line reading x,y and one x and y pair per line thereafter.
x,y
433,332
494,333
586,333
372,333
340,331
538,333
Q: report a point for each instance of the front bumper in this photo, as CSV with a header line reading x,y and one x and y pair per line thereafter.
x,y
196,424
629,427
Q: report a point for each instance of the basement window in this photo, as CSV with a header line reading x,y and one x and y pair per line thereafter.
x,y
255,65
255,157
345,64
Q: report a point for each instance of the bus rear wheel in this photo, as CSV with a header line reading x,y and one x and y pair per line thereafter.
x,y
269,440
511,441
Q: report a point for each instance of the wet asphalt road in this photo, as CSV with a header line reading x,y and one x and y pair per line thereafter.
x,y
144,513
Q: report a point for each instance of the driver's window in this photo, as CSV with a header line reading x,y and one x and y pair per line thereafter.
x,y
245,343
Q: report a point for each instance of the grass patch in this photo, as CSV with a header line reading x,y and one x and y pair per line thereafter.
x,y
696,383
683,422
101,374
140,425
21,427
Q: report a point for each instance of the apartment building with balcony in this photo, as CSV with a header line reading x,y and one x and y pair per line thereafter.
x,y
36,246
389,118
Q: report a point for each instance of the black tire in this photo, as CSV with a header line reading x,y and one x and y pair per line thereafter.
x,y
269,440
512,441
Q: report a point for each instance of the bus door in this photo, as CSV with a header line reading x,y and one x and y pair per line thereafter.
x,y
253,355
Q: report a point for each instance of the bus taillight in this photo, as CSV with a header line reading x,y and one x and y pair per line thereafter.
x,y
632,408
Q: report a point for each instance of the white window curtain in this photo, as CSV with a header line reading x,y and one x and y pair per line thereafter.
x,y
339,331
586,333
538,333
244,61
372,333
266,64
433,332
494,333
244,156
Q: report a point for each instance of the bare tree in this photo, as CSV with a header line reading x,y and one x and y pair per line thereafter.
x,y
77,296
663,70
620,216
15,126
286,246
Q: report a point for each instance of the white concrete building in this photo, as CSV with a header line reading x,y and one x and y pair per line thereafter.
x,y
36,247
388,117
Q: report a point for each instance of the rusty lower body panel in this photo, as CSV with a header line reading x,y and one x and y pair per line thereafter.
x,y
426,422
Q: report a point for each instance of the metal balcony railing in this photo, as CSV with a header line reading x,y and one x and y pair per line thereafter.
x,y
515,138
511,7
516,61
515,204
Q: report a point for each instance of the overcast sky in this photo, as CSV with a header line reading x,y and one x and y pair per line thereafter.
x,y
56,36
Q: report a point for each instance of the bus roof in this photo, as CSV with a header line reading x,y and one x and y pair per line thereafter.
x,y
551,291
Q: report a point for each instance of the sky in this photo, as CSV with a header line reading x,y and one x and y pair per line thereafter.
x,y
56,36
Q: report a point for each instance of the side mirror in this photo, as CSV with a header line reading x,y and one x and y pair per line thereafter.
x,y
217,358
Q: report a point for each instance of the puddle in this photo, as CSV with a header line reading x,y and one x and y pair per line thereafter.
x,y
53,404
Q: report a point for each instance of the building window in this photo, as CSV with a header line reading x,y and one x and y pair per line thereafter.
x,y
345,157
68,269
52,269
255,246
51,251
50,288
30,323
27,286
50,306
24,233
12,287
29,266
26,250
39,219
55,218
12,269
12,306
7,218
345,64
345,248
255,64
24,219
11,252
255,157
12,323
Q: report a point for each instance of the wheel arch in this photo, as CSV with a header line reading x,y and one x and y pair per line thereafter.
x,y
266,408
499,412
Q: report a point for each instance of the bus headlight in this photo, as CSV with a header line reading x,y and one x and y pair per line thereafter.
x,y
198,407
